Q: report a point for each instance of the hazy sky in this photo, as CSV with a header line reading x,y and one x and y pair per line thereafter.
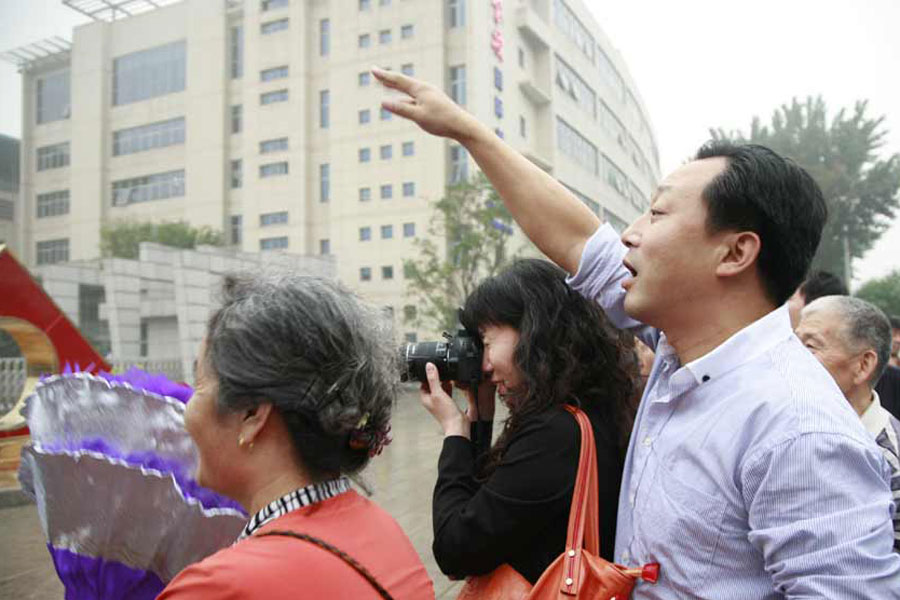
x,y
697,64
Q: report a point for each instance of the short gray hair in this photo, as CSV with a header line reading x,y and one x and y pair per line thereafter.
x,y
319,354
865,326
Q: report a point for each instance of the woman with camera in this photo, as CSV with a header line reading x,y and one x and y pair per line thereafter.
x,y
294,386
544,347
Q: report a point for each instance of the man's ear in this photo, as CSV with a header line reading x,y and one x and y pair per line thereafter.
x,y
865,367
254,420
739,253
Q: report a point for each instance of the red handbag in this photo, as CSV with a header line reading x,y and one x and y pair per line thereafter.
x,y
579,572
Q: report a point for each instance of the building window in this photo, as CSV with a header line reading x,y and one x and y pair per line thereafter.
x,y
365,78
273,73
52,97
498,79
384,36
324,109
409,189
148,137
364,41
521,57
324,182
365,234
52,251
365,274
459,165
236,51
273,218
325,247
409,230
387,191
237,227
237,118
273,97
407,31
365,194
365,116
324,37
384,2
386,152
387,272
575,87
409,148
408,69
276,145
53,204
273,243
273,169
149,73
237,173
522,127
569,24
365,154
158,186
576,146
267,5
385,114
411,338
7,211
387,232
458,84
409,312
456,13
498,107
53,157
273,26
365,4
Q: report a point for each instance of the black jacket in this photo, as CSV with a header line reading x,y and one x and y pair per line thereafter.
x,y
520,514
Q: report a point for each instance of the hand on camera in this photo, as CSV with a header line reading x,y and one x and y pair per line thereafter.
x,y
435,397
481,404
427,106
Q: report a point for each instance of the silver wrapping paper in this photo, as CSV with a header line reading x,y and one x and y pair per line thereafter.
x,y
67,410
97,506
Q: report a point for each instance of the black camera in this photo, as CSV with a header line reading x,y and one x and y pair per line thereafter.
x,y
457,358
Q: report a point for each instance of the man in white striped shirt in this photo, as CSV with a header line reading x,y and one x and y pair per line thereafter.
x,y
852,340
748,476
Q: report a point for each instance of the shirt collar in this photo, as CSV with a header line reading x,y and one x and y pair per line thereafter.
x,y
315,492
743,346
875,419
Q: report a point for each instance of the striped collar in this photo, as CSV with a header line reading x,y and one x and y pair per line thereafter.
x,y
299,498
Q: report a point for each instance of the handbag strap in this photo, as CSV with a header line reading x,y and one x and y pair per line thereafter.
x,y
337,552
584,521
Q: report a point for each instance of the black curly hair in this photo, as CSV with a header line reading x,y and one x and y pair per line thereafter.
x,y
567,353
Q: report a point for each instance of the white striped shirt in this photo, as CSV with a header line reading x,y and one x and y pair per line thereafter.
x,y
299,498
748,475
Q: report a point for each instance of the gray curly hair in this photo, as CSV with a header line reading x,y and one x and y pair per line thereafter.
x,y
319,354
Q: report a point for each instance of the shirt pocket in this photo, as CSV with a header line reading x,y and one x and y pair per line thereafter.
x,y
680,526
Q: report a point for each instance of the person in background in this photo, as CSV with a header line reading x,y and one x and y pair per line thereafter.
x,y
544,346
747,474
852,339
295,381
888,387
816,285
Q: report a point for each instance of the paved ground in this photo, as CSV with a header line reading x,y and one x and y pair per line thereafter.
x,y
402,477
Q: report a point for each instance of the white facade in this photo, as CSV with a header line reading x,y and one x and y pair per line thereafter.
x,y
540,71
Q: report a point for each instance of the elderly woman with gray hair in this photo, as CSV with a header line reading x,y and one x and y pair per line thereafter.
x,y
294,387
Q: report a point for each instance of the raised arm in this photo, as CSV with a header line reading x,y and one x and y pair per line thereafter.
x,y
555,220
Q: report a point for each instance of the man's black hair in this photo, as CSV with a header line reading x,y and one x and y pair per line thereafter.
x,y
768,194
822,283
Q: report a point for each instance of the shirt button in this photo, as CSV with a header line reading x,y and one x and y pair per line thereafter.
x,y
631,499
625,557
647,441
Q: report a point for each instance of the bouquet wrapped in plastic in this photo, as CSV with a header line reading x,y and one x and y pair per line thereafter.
x,y
110,467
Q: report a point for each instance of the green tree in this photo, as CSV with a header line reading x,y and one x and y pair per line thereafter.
x,y
883,292
841,155
121,239
468,239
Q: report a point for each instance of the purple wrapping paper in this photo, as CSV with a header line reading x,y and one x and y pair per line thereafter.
x,y
87,578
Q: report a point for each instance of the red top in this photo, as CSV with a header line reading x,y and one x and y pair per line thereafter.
x,y
284,568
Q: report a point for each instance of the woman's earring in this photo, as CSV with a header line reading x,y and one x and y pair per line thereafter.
x,y
240,442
